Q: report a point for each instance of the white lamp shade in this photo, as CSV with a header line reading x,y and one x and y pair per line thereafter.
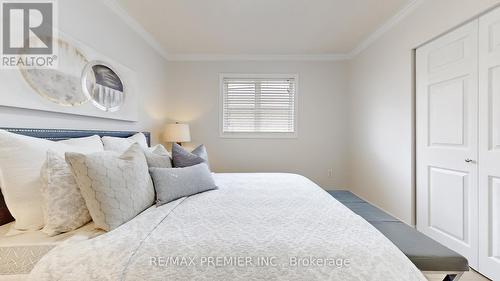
x,y
177,133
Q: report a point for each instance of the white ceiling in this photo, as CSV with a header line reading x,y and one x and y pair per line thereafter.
x,y
259,27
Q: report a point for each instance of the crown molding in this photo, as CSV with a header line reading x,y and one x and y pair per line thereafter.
x,y
385,27
223,57
369,40
137,27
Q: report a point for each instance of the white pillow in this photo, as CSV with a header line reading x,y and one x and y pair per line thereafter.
x,y
121,145
21,159
92,143
159,149
116,188
158,157
63,205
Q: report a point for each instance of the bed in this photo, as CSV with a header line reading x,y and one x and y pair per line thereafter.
x,y
254,227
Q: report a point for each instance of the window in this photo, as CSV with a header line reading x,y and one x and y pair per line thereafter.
x,y
258,105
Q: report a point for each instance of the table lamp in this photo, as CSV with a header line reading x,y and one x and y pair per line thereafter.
x,y
177,133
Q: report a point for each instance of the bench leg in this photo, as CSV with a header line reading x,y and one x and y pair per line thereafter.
x,y
453,277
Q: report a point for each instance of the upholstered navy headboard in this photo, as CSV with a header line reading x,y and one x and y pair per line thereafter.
x,y
64,134
55,135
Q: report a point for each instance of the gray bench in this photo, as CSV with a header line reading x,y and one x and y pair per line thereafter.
x,y
427,254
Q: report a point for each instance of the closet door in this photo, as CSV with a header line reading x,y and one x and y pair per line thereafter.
x,y
447,140
489,144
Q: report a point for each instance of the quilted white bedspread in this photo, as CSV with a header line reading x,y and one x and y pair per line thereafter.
x,y
255,227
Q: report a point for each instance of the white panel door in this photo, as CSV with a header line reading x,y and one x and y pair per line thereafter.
x,y
446,101
489,144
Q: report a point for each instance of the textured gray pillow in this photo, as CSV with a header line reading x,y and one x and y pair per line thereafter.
x,y
174,183
158,157
116,188
182,158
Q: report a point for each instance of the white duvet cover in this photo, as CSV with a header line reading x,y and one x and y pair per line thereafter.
x,y
255,227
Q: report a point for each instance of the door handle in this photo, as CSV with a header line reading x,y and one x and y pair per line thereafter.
x,y
468,160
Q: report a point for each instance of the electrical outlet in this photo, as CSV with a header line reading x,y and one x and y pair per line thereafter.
x,y
330,173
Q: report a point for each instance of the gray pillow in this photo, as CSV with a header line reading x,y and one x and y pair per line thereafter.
x,y
174,183
158,157
116,188
182,158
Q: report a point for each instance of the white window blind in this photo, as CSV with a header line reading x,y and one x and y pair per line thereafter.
x,y
259,105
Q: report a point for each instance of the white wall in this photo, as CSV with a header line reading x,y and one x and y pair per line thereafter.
x,y
186,91
193,97
380,110
92,23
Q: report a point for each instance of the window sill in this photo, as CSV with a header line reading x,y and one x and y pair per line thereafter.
x,y
259,135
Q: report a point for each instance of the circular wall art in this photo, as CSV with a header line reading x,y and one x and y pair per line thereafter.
x,y
103,86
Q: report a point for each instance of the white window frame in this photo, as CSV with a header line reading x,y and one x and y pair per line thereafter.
x,y
257,135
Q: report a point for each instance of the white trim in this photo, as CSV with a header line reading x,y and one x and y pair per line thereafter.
x,y
365,43
259,75
385,27
220,105
223,57
137,27
227,135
